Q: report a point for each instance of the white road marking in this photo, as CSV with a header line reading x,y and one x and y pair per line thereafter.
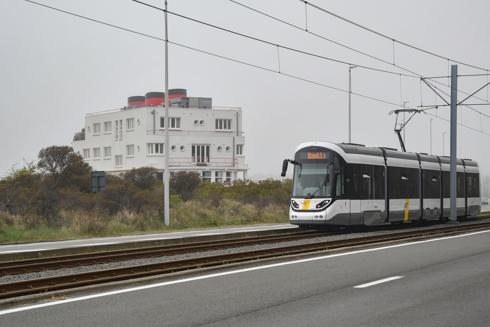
x,y
207,234
225,273
101,243
379,281
19,251
135,238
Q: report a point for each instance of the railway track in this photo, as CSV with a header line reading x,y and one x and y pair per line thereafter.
x,y
37,286
17,267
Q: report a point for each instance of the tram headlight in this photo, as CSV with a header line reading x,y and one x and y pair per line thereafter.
x,y
295,204
322,204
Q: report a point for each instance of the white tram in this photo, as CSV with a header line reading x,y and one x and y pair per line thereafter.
x,y
350,184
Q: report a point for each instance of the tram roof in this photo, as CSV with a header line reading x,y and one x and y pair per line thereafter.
x,y
345,150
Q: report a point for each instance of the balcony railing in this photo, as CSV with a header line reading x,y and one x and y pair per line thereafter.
x,y
179,132
214,162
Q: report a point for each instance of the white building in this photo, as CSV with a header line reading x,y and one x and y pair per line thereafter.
x,y
203,139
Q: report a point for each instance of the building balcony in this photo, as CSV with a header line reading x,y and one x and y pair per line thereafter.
x,y
238,163
180,132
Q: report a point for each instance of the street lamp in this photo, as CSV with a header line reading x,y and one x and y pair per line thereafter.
x,y
443,143
430,135
350,102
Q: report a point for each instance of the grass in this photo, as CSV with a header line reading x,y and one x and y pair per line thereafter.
x,y
185,215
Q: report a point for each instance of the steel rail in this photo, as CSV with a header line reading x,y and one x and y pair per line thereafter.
x,y
65,282
16,267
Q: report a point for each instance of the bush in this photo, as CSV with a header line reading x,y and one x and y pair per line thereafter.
x,y
184,184
53,200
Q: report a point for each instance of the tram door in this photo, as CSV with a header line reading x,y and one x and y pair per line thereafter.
x,y
351,184
371,194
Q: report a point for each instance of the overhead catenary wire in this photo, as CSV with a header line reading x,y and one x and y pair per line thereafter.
x,y
462,125
274,44
226,58
466,105
213,54
338,43
385,36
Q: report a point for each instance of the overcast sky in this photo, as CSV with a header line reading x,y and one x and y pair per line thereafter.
x,y
55,68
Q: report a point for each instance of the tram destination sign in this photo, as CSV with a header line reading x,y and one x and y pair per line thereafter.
x,y
312,155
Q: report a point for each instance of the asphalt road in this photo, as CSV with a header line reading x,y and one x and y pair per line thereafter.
x,y
40,246
438,283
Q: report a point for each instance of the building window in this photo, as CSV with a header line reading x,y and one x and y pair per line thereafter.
x,y
239,149
218,176
228,177
200,153
107,152
130,150
206,176
96,152
223,124
96,128
130,124
227,148
220,148
119,160
182,148
107,126
173,147
118,135
154,149
175,122
86,153
201,122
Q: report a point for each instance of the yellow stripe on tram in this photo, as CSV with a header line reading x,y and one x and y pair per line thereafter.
x,y
406,213
306,204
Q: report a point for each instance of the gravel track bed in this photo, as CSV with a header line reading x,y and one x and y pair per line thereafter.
x,y
138,262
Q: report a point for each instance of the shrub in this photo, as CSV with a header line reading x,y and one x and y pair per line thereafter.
x,y
184,184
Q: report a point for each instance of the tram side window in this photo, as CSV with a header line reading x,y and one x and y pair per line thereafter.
x,y
414,182
339,178
339,184
366,179
351,181
403,183
432,184
460,185
446,185
379,182
363,182
393,184
473,185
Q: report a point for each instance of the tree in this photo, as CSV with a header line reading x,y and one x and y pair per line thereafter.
x,y
185,183
65,167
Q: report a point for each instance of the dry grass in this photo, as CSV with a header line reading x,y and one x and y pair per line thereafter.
x,y
185,215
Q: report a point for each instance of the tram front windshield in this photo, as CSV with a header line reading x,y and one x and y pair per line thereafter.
x,y
313,175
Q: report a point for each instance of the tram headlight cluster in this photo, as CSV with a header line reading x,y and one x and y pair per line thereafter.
x,y
295,204
322,204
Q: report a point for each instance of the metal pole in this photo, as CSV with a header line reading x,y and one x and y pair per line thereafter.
x,y
443,143
430,135
454,131
166,173
404,105
350,103
404,141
